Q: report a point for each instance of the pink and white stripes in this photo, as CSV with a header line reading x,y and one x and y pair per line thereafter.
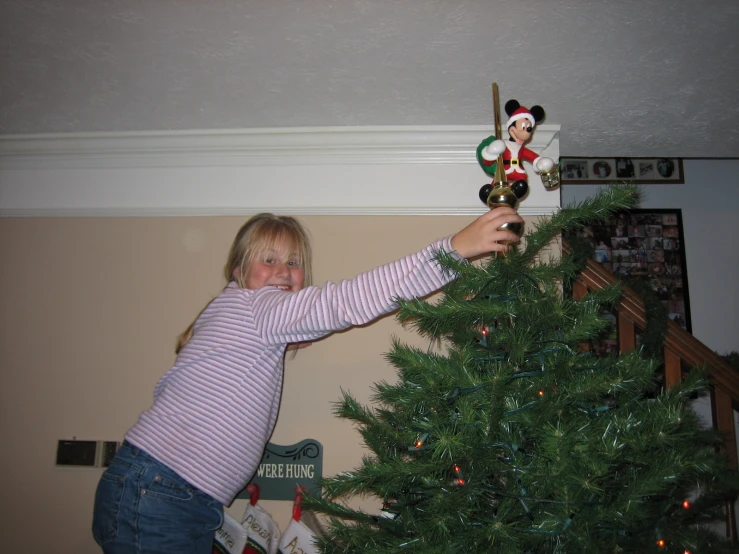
x,y
215,409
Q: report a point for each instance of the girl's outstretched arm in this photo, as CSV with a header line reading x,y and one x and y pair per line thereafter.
x,y
314,312
484,234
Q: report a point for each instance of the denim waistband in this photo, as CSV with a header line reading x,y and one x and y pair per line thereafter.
x,y
132,454
143,456
135,450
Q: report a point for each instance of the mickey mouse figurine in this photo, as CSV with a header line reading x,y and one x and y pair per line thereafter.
x,y
520,125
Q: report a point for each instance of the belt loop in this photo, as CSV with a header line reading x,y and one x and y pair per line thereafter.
x,y
135,450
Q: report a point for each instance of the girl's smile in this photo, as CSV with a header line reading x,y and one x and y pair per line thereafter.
x,y
279,267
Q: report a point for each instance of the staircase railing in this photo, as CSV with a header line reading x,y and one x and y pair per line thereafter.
x,y
682,351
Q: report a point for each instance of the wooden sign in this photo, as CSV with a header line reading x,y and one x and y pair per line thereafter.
x,y
285,467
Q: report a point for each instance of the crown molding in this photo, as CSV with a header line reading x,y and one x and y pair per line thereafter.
x,y
419,170
272,146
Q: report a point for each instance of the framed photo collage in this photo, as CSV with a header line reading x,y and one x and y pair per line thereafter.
x,y
647,244
657,171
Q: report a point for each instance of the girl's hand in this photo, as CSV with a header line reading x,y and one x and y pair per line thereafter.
x,y
484,234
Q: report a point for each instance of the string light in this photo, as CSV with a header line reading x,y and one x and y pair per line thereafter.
x,y
458,473
686,504
540,392
419,442
484,339
661,543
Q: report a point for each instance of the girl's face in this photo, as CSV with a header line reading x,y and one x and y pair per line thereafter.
x,y
277,266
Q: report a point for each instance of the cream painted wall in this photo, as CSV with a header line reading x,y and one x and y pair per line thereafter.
x,y
111,244
90,311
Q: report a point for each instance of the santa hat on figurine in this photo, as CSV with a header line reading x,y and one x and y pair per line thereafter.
x,y
516,112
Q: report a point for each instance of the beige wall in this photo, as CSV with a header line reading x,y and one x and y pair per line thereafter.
x,y
90,311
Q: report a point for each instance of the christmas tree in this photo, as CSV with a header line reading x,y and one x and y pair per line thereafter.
x,y
513,437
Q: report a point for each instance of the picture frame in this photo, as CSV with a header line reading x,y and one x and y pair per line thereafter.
x,y
646,244
583,171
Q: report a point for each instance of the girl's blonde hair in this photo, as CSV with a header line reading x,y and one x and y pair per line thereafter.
x,y
260,233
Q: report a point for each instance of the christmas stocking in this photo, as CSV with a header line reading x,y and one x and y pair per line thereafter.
x,y
230,537
297,539
262,533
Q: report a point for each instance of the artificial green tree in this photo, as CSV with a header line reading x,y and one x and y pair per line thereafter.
x,y
518,440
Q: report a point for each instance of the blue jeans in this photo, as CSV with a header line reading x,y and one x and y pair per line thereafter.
x,y
142,506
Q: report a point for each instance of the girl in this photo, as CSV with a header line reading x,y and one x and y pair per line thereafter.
x,y
199,443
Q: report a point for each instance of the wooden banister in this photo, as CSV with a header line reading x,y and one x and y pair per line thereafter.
x,y
678,341
680,348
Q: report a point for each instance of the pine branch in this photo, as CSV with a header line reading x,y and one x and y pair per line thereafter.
x,y
596,209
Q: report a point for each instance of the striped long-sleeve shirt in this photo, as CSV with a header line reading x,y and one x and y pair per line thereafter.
x,y
215,409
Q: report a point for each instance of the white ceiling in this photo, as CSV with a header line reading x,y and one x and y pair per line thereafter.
x,y
621,77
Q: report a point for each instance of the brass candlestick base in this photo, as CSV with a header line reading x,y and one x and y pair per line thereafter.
x,y
500,194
